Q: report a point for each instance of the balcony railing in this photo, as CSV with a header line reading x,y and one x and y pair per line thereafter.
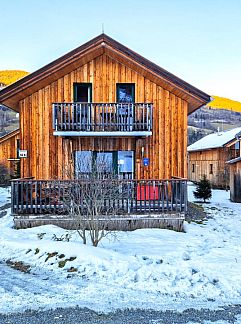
x,y
102,117
36,197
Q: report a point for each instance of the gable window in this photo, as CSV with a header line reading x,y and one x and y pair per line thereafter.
x,y
125,92
211,169
193,168
125,95
82,92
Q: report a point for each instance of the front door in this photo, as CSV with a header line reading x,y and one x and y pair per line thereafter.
x,y
83,96
125,95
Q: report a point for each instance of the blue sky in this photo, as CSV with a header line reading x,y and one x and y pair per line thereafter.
x,y
197,40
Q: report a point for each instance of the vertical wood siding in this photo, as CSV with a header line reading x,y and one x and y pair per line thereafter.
x,y
8,149
49,154
202,160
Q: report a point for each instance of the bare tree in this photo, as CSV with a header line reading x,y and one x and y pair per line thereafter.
x,y
92,199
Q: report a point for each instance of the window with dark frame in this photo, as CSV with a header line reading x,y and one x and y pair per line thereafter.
x,y
193,168
125,92
82,92
211,169
117,162
18,147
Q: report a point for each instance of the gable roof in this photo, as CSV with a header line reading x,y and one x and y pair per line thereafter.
x,y
11,95
215,140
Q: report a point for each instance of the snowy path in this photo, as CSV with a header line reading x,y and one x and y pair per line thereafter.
x,y
14,281
20,290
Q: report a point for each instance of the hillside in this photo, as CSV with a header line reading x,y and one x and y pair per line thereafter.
x,y
9,120
9,76
225,103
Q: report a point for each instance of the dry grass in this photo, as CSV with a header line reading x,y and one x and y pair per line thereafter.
x,y
10,76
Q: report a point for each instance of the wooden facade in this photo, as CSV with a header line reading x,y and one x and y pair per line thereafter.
x,y
211,163
166,148
9,151
103,63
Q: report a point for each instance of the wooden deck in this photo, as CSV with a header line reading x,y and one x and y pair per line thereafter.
x,y
139,203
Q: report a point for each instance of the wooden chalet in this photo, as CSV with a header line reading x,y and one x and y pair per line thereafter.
x,y
235,174
103,99
9,146
209,155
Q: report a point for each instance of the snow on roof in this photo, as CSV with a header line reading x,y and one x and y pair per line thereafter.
x,y
214,140
237,159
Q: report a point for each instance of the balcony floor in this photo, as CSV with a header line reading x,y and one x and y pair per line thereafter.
x,y
102,133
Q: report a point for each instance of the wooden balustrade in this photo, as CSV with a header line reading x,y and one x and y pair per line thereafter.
x,y
36,197
98,117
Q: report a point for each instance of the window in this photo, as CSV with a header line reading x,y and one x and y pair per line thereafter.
x,y
126,97
211,169
117,162
83,162
18,147
125,92
126,161
193,168
82,92
104,162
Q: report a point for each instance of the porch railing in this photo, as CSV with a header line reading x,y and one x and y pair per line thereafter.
x,y
33,197
87,117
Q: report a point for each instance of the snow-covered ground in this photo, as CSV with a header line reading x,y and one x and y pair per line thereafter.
x,y
148,268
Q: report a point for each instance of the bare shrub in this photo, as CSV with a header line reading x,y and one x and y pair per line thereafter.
x,y
91,199
4,175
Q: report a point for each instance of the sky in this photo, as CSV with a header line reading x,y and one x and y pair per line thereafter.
x,y
197,40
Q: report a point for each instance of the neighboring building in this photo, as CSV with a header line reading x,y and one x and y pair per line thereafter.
x,y
235,175
209,155
103,99
235,179
9,146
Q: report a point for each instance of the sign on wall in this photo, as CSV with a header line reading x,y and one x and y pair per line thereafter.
x,y
146,161
23,153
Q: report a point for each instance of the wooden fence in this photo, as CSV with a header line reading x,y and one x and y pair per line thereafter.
x,y
126,197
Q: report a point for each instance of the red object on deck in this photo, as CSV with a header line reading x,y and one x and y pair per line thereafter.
x,y
148,192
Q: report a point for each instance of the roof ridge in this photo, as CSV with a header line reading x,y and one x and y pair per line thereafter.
x,y
65,61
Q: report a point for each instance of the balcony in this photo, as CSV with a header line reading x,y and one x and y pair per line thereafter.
x,y
102,119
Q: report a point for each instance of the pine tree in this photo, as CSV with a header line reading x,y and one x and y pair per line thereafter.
x,y
203,189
